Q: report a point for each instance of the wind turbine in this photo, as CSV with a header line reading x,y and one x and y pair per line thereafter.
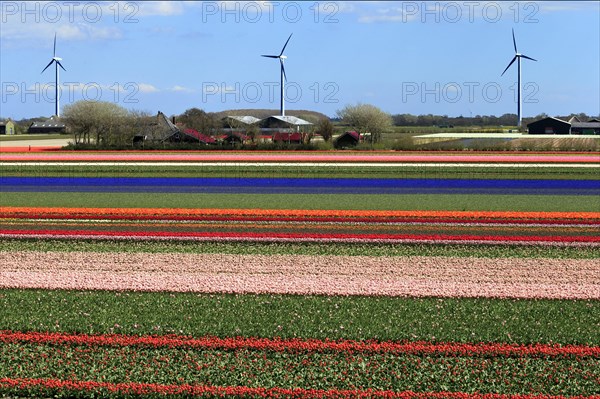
x,y
517,57
281,58
56,60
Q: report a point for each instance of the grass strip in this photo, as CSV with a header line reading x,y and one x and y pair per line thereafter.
x,y
307,248
308,370
288,316
299,171
517,203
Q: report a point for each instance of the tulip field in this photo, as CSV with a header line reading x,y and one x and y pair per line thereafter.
x,y
300,275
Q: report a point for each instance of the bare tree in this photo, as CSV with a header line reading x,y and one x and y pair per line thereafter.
x,y
325,128
366,118
99,121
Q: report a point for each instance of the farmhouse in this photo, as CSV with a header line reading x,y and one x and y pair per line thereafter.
x,y
52,125
158,129
346,140
7,127
558,126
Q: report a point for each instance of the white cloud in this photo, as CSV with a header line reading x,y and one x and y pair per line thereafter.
x,y
386,16
158,8
559,6
146,88
183,89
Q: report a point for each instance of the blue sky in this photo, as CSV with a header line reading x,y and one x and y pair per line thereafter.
x,y
404,57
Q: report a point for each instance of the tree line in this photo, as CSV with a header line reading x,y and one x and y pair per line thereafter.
x,y
478,120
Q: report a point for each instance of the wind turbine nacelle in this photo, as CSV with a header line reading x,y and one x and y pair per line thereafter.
x,y
283,57
57,58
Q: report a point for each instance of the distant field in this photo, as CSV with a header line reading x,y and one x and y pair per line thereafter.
x,y
34,137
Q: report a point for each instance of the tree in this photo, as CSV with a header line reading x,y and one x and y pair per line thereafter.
x,y
325,128
366,118
103,121
252,131
199,120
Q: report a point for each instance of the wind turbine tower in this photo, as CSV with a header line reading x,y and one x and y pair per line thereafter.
x,y
56,60
282,58
518,57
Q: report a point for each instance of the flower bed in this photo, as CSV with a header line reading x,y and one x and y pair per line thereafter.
x,y
416,276
303,157
181,265
252,367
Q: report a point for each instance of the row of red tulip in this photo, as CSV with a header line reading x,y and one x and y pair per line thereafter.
x,y
308,345
273,236
242,391
174,213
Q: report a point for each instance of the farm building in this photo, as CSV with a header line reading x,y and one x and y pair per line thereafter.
x,y
236,122
558,126
295,138
288,124
233,138
7,127
158,129
588,127
192,136
52,125
347,139
549,126
237,129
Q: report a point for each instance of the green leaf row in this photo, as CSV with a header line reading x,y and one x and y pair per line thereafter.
x,y
288,316
300,170
308,370
291,248
450,202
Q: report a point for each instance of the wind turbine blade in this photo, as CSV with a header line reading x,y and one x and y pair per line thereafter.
x,y
283,69
59,64
285,45
514,41
513,60
54,53
529,58
47,66
270,56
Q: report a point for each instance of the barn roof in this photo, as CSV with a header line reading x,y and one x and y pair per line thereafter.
x,y
201,137
586,124
247,119
53,122
547,118
291,120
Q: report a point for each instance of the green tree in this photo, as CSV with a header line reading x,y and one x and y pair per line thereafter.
x,y
366,118
199,120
